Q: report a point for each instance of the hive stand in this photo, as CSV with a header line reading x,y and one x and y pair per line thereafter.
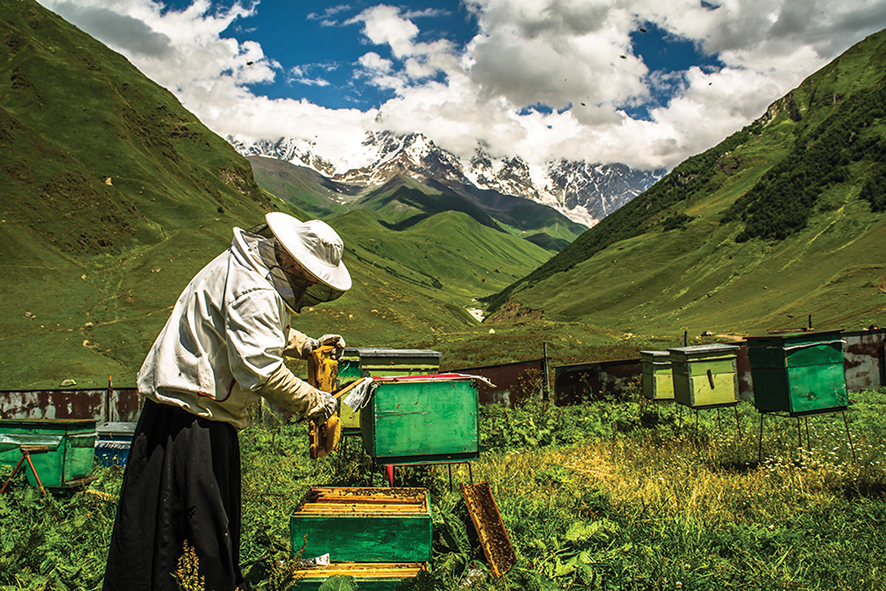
x,y
804,417
27,450
389,470
717,407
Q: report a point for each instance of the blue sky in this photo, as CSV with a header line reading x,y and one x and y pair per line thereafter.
x,y
643,82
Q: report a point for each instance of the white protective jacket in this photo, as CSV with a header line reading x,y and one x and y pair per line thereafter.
x,y
224,342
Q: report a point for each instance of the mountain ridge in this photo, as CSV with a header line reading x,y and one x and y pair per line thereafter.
x,y
583,192
795,199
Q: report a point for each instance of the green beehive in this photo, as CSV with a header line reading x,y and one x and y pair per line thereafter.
x,y
391,525
798,373
422,420
704,375
379,536
349,366
357,363
62,450
398,362
658,382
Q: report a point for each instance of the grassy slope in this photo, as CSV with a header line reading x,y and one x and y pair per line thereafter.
x,y
114,196
110,191
646,280
404,201
299,185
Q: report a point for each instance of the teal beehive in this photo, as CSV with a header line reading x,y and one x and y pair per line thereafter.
x,y
61,450
798,373
422,419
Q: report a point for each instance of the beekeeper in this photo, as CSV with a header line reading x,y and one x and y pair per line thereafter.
x,y
221,349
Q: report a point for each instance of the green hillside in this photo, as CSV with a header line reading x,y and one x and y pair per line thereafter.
x,y
782,220
113,196
314,193
403,202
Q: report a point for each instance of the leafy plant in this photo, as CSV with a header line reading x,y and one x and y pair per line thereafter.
x,y
187,576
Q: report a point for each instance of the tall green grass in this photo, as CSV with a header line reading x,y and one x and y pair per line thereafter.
x,y
618,494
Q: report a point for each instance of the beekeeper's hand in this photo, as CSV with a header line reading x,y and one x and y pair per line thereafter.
x,y
297,396
327,404
333,340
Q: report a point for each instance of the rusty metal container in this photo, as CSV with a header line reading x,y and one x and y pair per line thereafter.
x,y
705,375
62,450
422,419
798,373
658,382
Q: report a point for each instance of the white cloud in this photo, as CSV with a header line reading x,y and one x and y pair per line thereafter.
x,y
573,56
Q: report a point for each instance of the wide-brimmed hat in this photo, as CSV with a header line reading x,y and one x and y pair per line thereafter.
x,y
316,247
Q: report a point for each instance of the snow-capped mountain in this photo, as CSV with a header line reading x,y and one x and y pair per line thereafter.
x,y
585,193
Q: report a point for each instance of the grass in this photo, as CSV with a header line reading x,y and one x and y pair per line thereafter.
x,y
617,494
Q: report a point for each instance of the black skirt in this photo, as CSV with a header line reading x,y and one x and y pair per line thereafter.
x,y
182,482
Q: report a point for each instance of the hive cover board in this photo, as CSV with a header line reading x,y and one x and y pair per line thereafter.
x,y
364,524
69,446
422,419
704,375
798,373
658,383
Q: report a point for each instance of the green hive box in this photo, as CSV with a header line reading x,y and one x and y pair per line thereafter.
x,y
421,420
798,373
658,382
704,375
357,363
69,444
378,525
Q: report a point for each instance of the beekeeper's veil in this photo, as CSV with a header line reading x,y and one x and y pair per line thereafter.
x,y
317,250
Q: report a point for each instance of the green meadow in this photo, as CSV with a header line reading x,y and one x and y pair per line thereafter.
x,y
618,495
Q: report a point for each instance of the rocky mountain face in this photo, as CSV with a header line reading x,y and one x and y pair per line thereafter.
x,y
583,192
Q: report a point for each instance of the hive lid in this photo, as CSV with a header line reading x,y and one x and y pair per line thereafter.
x,y
397,353
700,350
822,336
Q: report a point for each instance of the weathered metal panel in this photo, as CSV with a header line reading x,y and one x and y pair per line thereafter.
x,y
743,367
118,405
513,383
863,359
576,383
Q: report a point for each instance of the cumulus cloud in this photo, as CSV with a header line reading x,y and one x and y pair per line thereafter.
x,y
541,79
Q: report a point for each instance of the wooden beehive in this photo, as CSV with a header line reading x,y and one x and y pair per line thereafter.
x,y
798,373
705,375
380,362
658,382
422,419
67,449
377,535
